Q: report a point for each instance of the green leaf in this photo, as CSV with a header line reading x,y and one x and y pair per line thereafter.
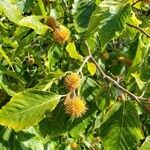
x,y
25,41
34,23
83,10
140,51
26,5
11,11
6,87
46,83
27,108
109,18
71,49
54,56
54,124
13,14
121,128
3,54
58,122
88,88
80,128
41,5
146,144
30,139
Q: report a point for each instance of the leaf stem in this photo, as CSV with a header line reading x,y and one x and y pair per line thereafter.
x,y
138,28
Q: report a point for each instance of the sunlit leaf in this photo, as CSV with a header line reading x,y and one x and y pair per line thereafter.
x,y
141,50
140,83
91,68
71,49
27,108
146,144
109,18
11,11
34,23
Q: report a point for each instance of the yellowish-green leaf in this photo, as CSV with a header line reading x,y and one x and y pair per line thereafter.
x,y
146,144
71,49
3,54
46,83
91,68
135,21
138,5
27,108
138,80
34,23
11,11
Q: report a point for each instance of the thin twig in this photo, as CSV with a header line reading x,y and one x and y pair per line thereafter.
x,y
84,62
136,2
140,29
137,98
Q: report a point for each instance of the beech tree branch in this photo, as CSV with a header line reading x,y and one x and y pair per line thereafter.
x,y
136,2
137,98
138,28
84,62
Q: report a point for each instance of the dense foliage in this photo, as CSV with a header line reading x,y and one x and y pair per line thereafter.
x,y
74,74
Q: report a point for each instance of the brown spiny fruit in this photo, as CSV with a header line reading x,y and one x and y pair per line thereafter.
x,y
51,22
75,107
61,34
147,105
73,145
129,62
30,61
72,81
105,55
147,1
47,2
121,59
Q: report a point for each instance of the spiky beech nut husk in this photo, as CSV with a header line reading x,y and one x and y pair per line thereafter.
x,y
147,1
75,107
147,105
47,2
129,62
51,22
72,81
73,145
61,34
30,61
105,55
121,59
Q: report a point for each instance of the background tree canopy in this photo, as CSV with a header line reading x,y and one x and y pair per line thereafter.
x,y
74,74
